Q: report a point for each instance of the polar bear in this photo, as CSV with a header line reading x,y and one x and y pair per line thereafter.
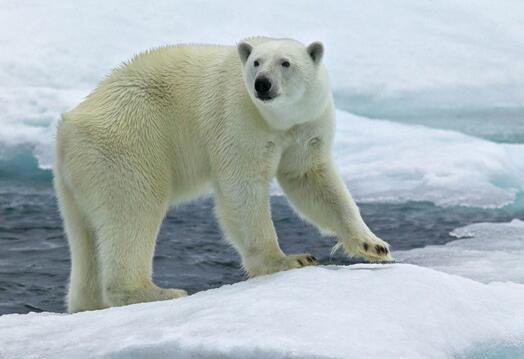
x,y
178,121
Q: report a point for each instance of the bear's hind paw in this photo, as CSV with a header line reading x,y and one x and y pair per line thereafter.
x,y
300,260
267,266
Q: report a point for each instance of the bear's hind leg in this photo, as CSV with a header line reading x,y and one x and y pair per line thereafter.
x,y
84,286
126,243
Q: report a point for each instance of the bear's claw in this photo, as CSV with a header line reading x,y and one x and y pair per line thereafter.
x,y
303,260
307,260
282,263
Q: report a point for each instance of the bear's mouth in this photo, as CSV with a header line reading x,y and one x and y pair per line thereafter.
x,y
265,97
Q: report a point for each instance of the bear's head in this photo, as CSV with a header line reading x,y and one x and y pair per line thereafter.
x,y
285,79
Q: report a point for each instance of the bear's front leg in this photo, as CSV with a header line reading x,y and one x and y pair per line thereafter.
x,y
320,195
244,214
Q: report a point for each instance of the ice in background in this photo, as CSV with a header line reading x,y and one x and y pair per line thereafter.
x,y
431,109
457,63
392,162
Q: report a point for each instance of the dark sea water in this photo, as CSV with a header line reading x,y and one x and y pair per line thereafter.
x,y
190,253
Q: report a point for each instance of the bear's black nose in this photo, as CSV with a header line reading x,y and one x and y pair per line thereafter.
x,y
262,85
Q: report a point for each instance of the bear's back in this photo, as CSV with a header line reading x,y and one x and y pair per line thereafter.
x,y
159,76
186,74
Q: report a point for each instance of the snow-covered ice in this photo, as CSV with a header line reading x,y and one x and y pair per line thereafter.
x,y
484,251
360,311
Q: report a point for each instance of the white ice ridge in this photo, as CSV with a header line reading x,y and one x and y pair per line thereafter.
x,y
485,252
360,311
385,161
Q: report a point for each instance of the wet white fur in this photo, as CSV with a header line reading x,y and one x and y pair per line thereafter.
x,y
177,122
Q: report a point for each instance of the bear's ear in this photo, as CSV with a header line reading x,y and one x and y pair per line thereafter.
x,y
244,50
316,51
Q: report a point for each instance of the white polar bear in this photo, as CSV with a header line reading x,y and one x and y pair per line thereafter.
x,y
177,121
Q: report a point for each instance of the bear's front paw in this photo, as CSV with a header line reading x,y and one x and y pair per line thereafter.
x,y
368,246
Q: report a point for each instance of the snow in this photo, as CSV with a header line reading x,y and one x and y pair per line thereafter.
x,y
385,58
359,311
484,252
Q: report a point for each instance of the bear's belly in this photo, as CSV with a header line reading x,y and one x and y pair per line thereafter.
x,y
191,174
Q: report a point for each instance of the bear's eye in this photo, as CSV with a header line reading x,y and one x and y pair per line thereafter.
x,y
286,64
256,63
